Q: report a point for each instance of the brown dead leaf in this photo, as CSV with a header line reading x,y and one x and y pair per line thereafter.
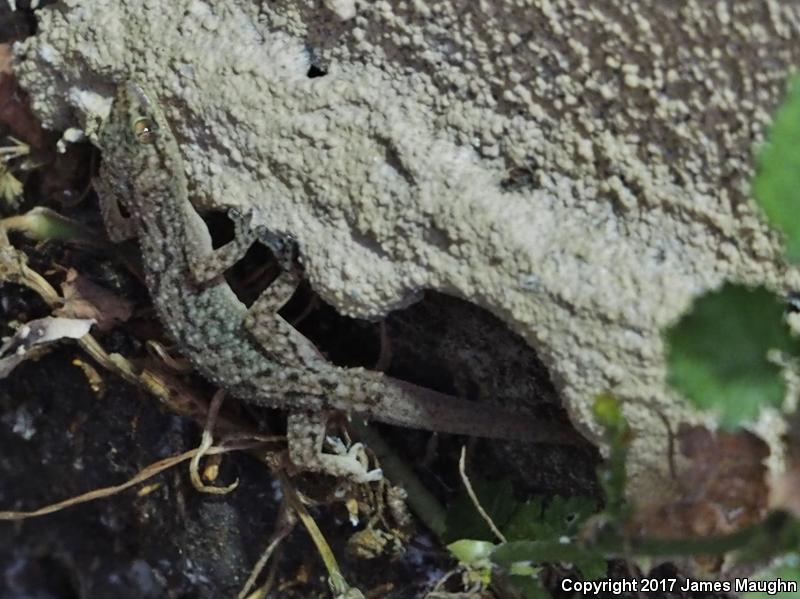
x,y
39,332
727,469
723,487
85,299
5,59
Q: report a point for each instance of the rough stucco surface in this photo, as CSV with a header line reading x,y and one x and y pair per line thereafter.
x,y
578,167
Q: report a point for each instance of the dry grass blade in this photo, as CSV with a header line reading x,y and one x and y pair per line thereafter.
x,y
143,475
287,523
335,579
206,444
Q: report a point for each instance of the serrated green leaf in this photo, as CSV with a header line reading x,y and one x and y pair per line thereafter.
x,y
526,524
463,520
717,353
535,552
592,566
561,518
566,516
777,183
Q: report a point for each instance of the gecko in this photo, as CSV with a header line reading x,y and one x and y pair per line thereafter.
x,y
253,353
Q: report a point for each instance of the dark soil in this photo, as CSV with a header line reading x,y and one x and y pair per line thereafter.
x,y
60,438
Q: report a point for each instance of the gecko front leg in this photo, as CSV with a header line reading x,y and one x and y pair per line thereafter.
x,y
118,227
207,264
305,432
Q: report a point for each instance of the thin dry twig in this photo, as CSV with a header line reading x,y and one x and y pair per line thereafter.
x,y
462,462
143,475
179,365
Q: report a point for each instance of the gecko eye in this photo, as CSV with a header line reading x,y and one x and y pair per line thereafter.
x,y
145,130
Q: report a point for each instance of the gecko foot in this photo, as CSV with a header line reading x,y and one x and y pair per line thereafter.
x,y
306,434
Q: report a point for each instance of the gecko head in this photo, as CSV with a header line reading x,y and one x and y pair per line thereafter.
x,y
141,112
144,130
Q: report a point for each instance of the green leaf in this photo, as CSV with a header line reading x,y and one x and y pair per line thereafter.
x,y
463,520
471,552
608,412
530,587
561,518
566,516
777,183
511,555
535,552
527,523
717,353
593,566
787,569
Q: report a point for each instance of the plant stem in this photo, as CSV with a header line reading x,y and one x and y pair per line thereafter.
x,y
777,533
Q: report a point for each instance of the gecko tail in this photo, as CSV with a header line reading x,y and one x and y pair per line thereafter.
x,y
439,412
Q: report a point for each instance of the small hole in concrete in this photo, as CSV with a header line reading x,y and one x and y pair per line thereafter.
x,y
315,71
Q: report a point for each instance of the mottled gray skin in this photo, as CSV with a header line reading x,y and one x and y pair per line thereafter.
x,y
142,169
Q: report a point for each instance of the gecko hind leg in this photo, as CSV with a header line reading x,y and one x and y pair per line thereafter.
x,y
278,338
306,434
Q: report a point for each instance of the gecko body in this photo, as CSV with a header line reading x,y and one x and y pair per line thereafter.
x,y
252,353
